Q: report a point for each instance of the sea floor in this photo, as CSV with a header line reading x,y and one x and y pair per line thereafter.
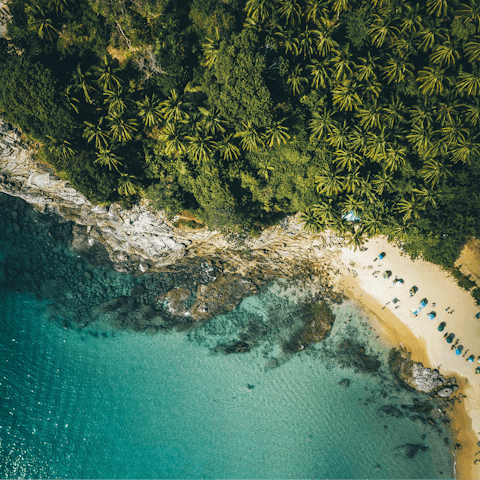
x,y
106,403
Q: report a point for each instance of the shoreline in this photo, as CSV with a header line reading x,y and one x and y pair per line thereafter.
x,y
398,327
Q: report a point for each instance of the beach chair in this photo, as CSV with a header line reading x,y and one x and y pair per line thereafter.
x,y
413,291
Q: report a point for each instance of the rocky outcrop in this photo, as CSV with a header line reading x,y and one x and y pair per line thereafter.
x,y
4,18
417,376
140,240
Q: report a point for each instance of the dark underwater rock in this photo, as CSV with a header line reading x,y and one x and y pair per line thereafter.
x,y
391,411
344,382
353,355
236,347
410,450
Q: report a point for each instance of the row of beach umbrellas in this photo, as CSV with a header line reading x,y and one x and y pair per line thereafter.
x,y
431,316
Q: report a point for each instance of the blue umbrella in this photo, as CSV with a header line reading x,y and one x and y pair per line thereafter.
x,y
431,315
441,328
458,351
470,359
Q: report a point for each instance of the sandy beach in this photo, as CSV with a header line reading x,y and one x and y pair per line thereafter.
x,y
361,279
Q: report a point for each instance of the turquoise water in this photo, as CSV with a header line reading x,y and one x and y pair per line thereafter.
x,y
100,402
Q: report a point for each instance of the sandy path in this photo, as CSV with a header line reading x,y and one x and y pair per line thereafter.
x,y
420,335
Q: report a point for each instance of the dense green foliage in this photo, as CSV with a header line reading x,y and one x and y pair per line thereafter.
x,y
244,111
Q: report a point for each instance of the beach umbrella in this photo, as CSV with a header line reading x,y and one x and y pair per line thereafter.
x,y
449,340
380,257
431,315
441,328
458,351
470,359
387,274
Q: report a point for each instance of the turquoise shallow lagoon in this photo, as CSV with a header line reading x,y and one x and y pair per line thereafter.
x,y
103,403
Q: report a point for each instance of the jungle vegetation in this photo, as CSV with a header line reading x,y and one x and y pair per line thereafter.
x,y
242,112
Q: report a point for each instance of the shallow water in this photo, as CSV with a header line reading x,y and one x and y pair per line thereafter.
x,y
99,402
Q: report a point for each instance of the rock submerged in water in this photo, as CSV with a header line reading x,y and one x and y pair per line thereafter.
x,y
410,450
344,382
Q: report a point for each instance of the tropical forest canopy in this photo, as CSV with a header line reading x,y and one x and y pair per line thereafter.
x,y
244,112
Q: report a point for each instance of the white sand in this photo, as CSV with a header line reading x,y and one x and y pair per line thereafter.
x,y
420,335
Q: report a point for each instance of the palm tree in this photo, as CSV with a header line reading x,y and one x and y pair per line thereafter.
x,y
365,70
421,137
71,101
97,133
437,7
395,157
311,221
201,147
472,49
356,239
40,22
324,210
371,90
366,190
318,73
339,135
352,181
173,108
306,42
422,113
291,10
432,79
322,124
401,231
150,110
397,69
341,5
412,20
347,159
395,111
372,223
127,187
258,9
469,12
211,47
173,137
227,149
426,196
343,64
410,208
276,133
357,140
325,43
59,5
376,145
288,41
431,34
106,157
465,150
314,9
296,79
453,132
81,83
107,80
404,47
212,122
121,128
472,112
117,101
435,171
383,182
60,148
445,54
353,204
250,138
447,112
346,97
372,117
469,83
382,31
330,182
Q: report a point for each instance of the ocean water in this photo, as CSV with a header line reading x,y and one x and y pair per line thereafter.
x,y
100,402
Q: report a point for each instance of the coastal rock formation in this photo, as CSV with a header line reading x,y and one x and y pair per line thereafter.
x,y
419,377
140,240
